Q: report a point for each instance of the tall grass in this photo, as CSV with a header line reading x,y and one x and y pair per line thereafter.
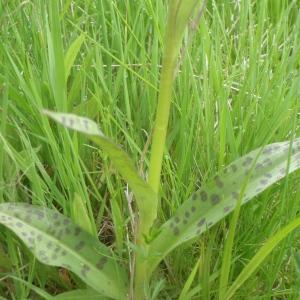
x,y
237,89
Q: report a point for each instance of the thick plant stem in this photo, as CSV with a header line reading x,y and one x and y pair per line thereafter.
x,y
159,137
179,13
163,109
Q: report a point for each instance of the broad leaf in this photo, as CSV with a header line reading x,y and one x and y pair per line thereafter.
x,y
252,174
56,241
145,196
80,295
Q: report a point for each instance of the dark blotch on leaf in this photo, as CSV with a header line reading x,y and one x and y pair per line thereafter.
x,y
40,215
19,224
203,195
102,261
267,150
177,220
227,208
187,214
194,197
247,161
219,182
54,256
66,221
42,252
201,222
282,171
267,162
263,181
86,124
193,209
235,195
176,231
84,270
233,168
79,246
258,166
215,199
77,231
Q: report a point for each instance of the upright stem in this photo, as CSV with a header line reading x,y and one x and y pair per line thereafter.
x,y
178,16
163,108
159,137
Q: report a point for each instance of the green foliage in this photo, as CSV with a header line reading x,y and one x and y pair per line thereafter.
x,y
79,295
242,180
56,241
235,89
146,198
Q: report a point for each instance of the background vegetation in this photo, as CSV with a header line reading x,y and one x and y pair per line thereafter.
x,y
237,89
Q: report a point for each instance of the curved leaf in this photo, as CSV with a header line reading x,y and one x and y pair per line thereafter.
x,y
56,241
145,196
243,179
80,295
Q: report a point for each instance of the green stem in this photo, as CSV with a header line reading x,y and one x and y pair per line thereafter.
x,y
159,137
163,108
179,13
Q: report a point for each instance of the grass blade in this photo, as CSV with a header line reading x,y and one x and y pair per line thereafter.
x,y
189,282
71,54
145,196
264,251
56,241
251,174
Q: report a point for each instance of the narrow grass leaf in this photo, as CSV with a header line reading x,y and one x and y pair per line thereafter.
x,y
72,53
258,169
81,216
188,283
56,241
145,196
264,251
42,293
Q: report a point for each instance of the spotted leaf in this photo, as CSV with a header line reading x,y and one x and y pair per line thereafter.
x,y
240,181
56,241
145,196
80,295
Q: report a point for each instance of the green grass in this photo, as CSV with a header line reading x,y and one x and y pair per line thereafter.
x,y
237,89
